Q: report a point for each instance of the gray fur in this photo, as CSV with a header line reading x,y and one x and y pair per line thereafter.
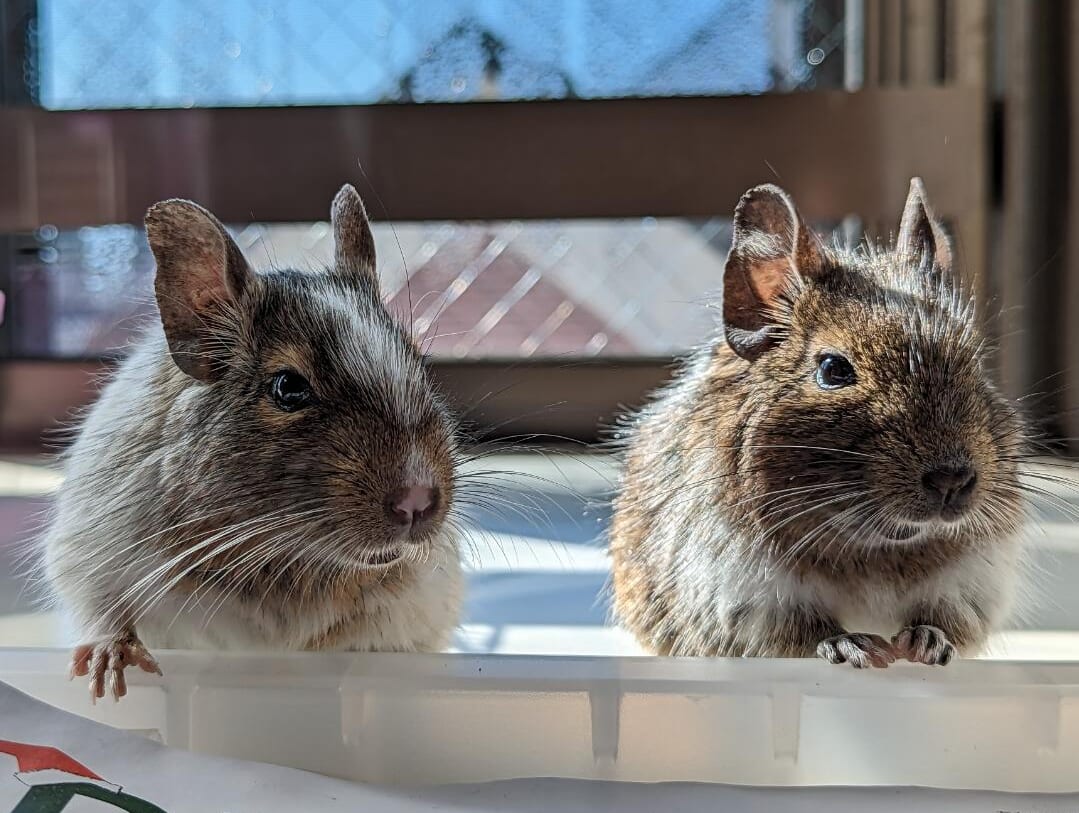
x,y
195,512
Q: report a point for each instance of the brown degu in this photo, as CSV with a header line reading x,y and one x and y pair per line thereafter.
x,y
836,474
270,468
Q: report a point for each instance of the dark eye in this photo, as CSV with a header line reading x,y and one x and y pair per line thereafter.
x,y
834,371
290,391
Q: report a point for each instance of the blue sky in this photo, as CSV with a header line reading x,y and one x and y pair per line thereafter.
x,y
174,53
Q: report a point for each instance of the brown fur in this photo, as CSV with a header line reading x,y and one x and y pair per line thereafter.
x,y
759,512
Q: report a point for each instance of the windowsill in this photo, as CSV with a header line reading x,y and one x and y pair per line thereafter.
x,y
538,586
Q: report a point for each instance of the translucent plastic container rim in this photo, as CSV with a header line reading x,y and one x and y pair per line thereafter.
x,y
568,673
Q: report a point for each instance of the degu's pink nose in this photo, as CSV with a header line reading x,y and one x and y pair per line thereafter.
x,y
412,505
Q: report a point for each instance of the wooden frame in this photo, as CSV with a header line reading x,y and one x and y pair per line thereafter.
x,y
837,152
923,108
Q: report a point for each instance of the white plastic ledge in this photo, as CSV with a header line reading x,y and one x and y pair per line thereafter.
x,y
429,719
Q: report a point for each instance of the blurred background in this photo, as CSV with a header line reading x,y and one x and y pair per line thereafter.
x,y
553,182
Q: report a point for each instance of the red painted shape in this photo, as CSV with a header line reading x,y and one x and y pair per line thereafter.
x,y
44,758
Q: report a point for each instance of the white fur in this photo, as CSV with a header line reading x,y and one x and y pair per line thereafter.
x,y
418,470
376,354
407,620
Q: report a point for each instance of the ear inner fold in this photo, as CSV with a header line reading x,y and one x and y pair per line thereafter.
x,y
771,251
201,274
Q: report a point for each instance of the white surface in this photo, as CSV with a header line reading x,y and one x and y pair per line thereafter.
x,y
179,782
411,720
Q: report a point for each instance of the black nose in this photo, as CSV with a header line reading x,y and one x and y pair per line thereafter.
x,y
950,486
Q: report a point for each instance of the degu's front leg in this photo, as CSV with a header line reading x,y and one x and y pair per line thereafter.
x,y
799,630
934,634
105,660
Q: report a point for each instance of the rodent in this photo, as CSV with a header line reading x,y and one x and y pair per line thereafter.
x,y
270,468
836,473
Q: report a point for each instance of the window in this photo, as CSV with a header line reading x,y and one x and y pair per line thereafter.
x,y
552,185
512,290
204,54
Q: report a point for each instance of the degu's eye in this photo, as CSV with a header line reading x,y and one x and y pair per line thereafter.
x,y
834,371
290,391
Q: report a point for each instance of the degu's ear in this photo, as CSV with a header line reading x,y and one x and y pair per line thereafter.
x,y
771,252
922,239
201,275
354,246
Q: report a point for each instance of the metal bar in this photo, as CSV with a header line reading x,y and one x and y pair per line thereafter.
x,y
662,157
7,269
1035,227
855,32
946,40
871,44
1070,418
17,70
921,22
891,43
970,32
973,21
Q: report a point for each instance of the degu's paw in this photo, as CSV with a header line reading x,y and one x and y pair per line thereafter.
x,y
860,650
923,644
104,662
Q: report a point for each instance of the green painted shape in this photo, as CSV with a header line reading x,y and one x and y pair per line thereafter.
x,y
54,798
